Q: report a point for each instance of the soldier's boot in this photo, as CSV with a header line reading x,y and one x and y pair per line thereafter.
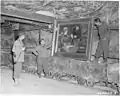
x,y
39,75
16,82
46,75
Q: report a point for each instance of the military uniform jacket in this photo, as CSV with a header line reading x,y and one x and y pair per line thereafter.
x,y
18,50
102,30
41,52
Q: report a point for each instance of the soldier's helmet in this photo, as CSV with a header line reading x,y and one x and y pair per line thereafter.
x,y
97,19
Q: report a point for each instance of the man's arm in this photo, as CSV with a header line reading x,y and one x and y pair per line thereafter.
x,y
35,52
71,36
14,50
106,30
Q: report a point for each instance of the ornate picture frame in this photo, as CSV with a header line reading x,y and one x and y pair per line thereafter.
x,y
73,39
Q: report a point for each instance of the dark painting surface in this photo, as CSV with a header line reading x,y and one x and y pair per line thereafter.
x,y
67,43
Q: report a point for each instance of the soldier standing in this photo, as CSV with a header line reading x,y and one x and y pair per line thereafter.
x,y
103,45
41,52
18,56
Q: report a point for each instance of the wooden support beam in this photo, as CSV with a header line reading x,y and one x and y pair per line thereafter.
x,y
8,18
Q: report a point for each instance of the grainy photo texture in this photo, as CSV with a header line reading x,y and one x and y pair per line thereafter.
x,y
59,47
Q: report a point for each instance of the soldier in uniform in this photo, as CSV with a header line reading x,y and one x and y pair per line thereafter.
x,y
18,56
103,44
41,52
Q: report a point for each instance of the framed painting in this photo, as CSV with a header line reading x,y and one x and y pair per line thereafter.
x,y
73,39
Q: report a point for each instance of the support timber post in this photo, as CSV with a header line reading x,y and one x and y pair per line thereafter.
x,y
54,34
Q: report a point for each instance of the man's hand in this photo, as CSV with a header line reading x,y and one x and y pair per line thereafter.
x,y
23,48
35,52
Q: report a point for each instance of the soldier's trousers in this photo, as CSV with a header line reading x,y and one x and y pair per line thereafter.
x,y
42,66
102,48
17,70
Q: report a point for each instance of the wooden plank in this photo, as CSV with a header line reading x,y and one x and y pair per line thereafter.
x,y
19,20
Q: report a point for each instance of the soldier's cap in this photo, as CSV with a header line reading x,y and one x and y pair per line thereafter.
x,y
65,28
77,25
97,19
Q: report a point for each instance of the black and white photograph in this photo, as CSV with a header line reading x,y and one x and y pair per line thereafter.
x,y
59,47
